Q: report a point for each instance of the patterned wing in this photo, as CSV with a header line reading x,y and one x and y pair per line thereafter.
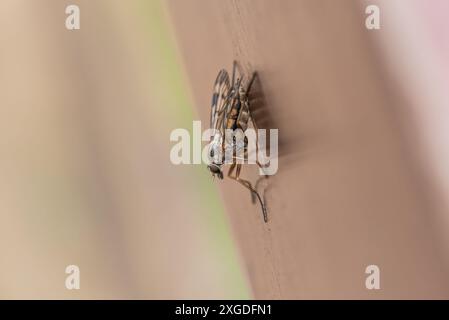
x,y
238,142
219,100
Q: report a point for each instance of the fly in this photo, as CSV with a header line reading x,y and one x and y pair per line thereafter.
x,y
230,110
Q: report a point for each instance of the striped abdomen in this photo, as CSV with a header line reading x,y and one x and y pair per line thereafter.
x,y
233,115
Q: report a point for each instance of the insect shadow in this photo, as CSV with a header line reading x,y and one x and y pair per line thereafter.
x,y
264,114
264,120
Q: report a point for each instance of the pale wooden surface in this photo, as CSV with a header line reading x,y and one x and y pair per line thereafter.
x,y
348,192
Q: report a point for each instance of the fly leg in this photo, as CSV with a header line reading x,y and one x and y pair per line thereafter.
x,y
245,156
236,80
256,129
261,166
234,67
251,118
248,88
247,185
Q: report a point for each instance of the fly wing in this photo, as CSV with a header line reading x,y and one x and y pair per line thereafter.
x,y
220,97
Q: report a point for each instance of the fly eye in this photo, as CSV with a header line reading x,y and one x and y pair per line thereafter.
x,y
213,169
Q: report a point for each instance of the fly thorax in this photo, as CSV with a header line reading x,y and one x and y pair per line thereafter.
x,y
215,149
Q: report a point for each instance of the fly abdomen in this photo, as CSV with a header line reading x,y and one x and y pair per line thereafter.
x,y
233,115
